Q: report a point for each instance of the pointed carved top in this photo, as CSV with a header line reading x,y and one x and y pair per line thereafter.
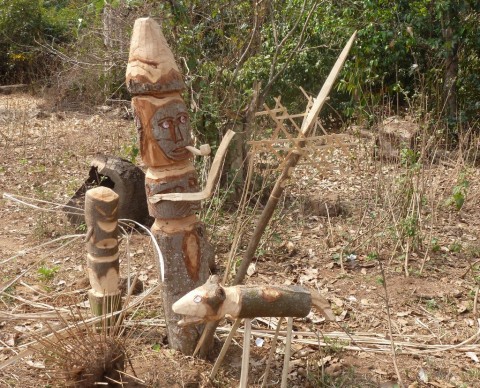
x,y
151,66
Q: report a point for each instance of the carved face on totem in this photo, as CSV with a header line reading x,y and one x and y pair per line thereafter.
x,y
171,129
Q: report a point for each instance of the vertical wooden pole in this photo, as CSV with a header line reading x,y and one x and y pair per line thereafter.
x,y
288,347
101,217
246,354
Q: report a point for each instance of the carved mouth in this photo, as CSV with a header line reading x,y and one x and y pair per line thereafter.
x,y
190,320
181,151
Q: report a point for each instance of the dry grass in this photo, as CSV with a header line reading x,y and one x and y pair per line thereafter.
x,y
434,322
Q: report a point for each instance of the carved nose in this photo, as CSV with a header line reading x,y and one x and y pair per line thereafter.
x,y
177,134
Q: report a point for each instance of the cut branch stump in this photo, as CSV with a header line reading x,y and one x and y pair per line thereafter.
x,y
101,217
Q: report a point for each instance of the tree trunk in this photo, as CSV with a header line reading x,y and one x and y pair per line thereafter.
x,y
450,75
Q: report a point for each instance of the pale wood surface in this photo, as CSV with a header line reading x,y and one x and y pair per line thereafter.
x,y
101,209
151,66
327,86
184,183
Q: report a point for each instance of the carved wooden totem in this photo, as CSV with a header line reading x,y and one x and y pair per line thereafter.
x,y
163,126
101,208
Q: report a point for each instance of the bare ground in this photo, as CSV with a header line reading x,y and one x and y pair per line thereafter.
x,y
388,211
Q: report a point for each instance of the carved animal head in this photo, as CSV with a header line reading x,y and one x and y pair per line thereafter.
x,y
205,303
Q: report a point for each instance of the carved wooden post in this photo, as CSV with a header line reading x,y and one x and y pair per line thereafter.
x,y
101,207
163,126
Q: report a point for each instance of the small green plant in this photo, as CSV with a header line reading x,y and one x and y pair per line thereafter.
x,y
131,151
434,245
455,247
410,226
380,280
409,157
431,304
372,256
5,297
47,273
156,347
473,251
459,192
334,345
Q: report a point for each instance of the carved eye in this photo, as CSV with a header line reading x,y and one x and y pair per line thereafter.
x,y
182,119
220,293
165,124
197,299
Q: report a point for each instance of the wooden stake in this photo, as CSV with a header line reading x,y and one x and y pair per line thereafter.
x,y
271,353
246,354
101,217
288,347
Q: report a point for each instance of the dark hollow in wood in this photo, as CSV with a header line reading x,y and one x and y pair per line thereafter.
x,y
142,85
124,178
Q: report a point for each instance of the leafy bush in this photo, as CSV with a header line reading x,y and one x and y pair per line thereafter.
x,y
24,26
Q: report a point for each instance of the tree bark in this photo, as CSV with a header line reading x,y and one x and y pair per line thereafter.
x,y
450,73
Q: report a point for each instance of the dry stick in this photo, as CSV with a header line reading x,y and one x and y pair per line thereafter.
x,y
9,283
407,250
277,190
288,347
475,302
394,356
271,353
246,354
470,268
290,164
330,237
23,252
225,347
